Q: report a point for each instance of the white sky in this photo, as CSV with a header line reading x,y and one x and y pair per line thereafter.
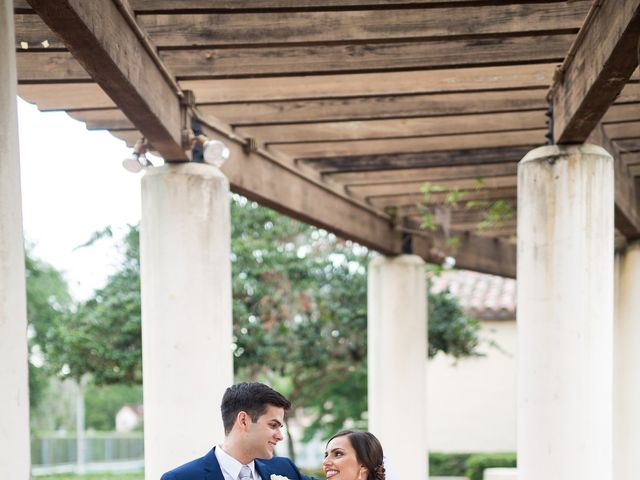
x,y
73,184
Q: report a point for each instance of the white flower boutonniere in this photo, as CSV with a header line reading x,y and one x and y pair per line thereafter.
x,y
278,477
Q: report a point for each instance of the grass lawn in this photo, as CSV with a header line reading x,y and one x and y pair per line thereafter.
x,y
93,476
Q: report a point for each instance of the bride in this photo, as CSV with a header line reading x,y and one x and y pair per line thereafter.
x,y
354,455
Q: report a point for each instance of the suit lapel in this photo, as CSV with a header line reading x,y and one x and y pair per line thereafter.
x,y
261,469
212,470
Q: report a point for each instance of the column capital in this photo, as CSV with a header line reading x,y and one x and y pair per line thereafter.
x,y
556,151
405,259
185,168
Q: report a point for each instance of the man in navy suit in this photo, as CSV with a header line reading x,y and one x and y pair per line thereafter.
x,y
253,416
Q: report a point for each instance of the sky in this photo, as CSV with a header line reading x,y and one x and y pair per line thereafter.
x,y
73,184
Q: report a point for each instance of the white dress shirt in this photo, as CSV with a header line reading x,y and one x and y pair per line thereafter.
x,y
231,467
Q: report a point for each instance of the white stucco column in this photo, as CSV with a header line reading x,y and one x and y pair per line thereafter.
x,y
397,361
565,313
185,243
15,457
626,376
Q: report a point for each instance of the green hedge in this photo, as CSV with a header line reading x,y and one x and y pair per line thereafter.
x,y
448,464
477,463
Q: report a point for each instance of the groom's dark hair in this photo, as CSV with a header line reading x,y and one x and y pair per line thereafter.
x,y
250,397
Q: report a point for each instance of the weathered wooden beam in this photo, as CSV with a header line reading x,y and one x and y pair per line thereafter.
x,y
474,252
622,113
159,6
109,119
268,28
627,197
462,212
430,174
65,96
367,191
419,144
628,145
395,128
260,176
378,57
603,62
102,39
618,131
632,158
444,158
372,84
33,33
438,198
379,107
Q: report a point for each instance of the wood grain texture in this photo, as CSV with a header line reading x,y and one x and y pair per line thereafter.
x,y
367,191
267,28
101,39
452,158
627,200
395,128
433,174
145,6
65,96
331,59
401,199
371,84
325,149
603,63
382,107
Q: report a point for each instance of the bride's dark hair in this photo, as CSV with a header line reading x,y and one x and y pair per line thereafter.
x,y
368,452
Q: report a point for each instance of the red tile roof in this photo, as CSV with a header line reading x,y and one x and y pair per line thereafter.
x,y
485,297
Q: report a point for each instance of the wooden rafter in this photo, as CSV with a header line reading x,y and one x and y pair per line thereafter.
x,y
101,38
602,61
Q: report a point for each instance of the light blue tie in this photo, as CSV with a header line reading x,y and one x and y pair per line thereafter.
x,y
245,473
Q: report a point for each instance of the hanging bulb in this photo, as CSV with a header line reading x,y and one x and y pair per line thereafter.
x,y
215,152
137,161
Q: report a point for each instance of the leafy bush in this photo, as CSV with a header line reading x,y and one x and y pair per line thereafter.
x,y
448,464
478,462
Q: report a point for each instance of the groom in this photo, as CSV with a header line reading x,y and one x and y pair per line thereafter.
x,y
253,416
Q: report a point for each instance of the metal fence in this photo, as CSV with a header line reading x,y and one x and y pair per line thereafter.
x,y
60,448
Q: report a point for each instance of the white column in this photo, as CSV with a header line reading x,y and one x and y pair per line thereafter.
x,y
626,377
397,361
565,313
15,457
186,311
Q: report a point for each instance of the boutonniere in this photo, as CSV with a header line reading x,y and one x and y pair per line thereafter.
x,y
278,477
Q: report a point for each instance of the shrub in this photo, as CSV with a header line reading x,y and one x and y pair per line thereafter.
x,y
477,463
448,464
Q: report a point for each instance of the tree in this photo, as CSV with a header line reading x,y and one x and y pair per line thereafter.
x,y
48,304
299,312
102,338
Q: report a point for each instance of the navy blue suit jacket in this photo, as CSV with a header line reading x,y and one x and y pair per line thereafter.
x,y
208,468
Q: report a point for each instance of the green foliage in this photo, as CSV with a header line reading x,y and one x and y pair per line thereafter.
x,y
48,304
103,402
450,330
448,464
479,462
494,215
498,213
102,337
299,312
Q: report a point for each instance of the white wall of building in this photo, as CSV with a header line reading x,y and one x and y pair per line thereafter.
x,y
472,402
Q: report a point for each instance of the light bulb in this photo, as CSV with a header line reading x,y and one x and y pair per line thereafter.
x,y
135,163
215,152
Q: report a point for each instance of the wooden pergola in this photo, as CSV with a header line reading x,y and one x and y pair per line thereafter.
x,y
337,112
